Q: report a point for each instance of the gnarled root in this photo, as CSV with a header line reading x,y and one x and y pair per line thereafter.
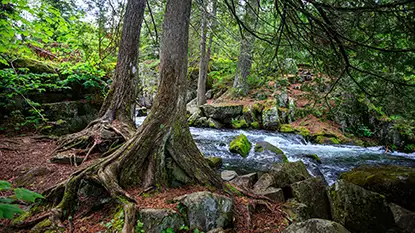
x,y
99,136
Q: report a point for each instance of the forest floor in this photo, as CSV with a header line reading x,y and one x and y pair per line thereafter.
x,y
22,155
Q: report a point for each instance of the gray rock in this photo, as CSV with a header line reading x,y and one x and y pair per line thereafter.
x,y
30,176
207,211
215,124
222,113
312,192
358,209
271,150
288,173
316,225
265,181
275,194
209,94
245,181
191,107
404,218
270,118
157,220
282,100
297,211
227,175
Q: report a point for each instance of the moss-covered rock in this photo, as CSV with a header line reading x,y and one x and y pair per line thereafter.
x,y
316,225
358,209
255,125
157,220
266,147
314,157
214,162
206,211
239,124
240,145
395,182
287,128
320,139
270,118
222,113
312,192
296,211
303,131
404,219
288,173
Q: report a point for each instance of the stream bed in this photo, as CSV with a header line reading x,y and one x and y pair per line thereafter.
x,y
334,159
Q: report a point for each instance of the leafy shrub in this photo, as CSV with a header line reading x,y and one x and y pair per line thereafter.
x,y
7,208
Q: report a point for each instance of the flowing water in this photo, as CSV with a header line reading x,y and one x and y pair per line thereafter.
x,y
334,159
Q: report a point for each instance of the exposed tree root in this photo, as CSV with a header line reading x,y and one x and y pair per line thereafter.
x,y
99,136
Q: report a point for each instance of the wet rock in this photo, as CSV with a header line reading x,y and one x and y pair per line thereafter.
x,y
240,145
270,118
222,113
207,211
316,226
404,218
275,194
215,124
195,115
217,230
313,157
214,162
358,209
287,173
227,175
266,147
30,176
157,220
245,181
386,180
312,192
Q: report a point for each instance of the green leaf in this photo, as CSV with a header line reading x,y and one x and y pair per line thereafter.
x,y
26,195
8,210
4,185
6,200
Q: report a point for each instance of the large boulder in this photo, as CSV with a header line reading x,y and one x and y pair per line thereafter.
x,y
316,225
157,220
268,149
396,183
358,209
270,118
207,211
287,173
404,219
312,192
222,113
245,181
240,145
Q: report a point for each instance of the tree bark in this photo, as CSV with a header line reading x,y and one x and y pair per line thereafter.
x,y
240,84
115,122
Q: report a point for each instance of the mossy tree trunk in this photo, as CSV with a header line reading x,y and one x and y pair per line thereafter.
x,y
114,124
164,137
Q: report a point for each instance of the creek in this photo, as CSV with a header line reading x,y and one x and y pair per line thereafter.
x,y
335,159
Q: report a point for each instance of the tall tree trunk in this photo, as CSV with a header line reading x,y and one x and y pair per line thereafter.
x,y
161,143
240,83
205,53
115,122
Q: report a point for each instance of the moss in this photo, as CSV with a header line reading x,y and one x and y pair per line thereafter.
x,y
255,125
233,189
321,139
303,131
239,124
334,140
214,162
258,148
287,128
240,145
284,158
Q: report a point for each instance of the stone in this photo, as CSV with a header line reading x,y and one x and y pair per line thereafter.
x,y
265,181
275,194
287,128
268,148
222,113
312,192
195,115
30,176
209,94
192,107
227,175
217,230
316,225
245,181
207,211
296,211
270,118
386,180
287,173
214,162
215,124
240,145
282,100
358,209
404,218
157,220
66,159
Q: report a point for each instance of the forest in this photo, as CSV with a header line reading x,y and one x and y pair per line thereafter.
x,y
215,116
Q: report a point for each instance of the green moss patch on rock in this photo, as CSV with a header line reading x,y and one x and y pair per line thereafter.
x,y
395,182
287,128
262,146
240,145
239,124
214,162
255,125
